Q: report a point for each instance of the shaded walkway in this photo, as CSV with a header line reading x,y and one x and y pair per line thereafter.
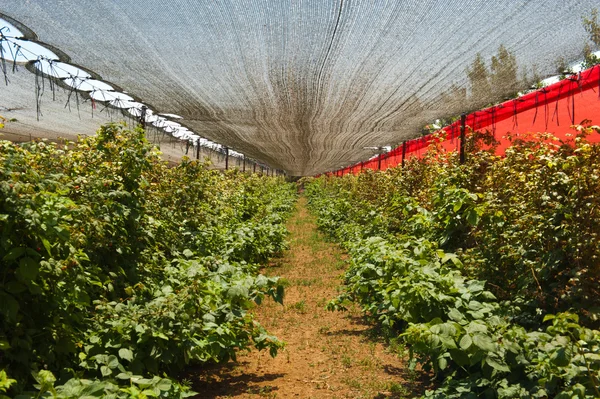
x,y
328,354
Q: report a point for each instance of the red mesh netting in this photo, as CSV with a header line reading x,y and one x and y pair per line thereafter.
x,y
552,109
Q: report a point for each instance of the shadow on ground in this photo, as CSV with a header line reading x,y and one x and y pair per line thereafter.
x,y
222,380
414,383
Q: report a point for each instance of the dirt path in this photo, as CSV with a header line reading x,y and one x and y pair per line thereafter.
x,y
328,354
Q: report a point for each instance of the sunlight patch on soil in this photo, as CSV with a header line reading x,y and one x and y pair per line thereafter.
x,y
327,354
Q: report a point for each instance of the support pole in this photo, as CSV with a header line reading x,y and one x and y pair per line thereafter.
x,y
198,151
463,123
142,120
244,165
403,153
573,103
226,158
379,160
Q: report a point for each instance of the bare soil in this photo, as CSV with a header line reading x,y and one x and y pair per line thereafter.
x,y
327,354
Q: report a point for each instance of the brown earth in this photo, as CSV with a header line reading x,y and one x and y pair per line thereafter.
x,y
327,354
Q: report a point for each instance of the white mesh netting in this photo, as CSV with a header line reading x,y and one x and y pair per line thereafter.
x,y
303,86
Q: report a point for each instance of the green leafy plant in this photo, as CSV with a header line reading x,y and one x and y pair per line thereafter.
x,y
115,265
462,262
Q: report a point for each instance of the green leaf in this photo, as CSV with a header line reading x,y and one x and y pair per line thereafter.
x,y
164,385
442,363
14,254
105,370
126,354
479,315
457,206
160,335
450,257
549,317
44,378
187,253
101,359
95,390
589,356
14,287
466,342
237,291
28,269
560,357
280,294
497,364
484,342
456,315
473,217
476,326
447,341
9,307
475,286
142,382
475,305
113,362
460,357
47,245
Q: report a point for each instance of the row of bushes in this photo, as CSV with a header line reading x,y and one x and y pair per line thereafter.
x,y
117,271
488,270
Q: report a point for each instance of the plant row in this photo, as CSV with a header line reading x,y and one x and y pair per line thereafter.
x,y
487,270
118,271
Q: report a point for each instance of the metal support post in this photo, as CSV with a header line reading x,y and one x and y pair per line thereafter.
x,y
142,120
463,125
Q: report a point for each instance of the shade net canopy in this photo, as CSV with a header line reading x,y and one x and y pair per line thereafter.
x,y
551,113
303,86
